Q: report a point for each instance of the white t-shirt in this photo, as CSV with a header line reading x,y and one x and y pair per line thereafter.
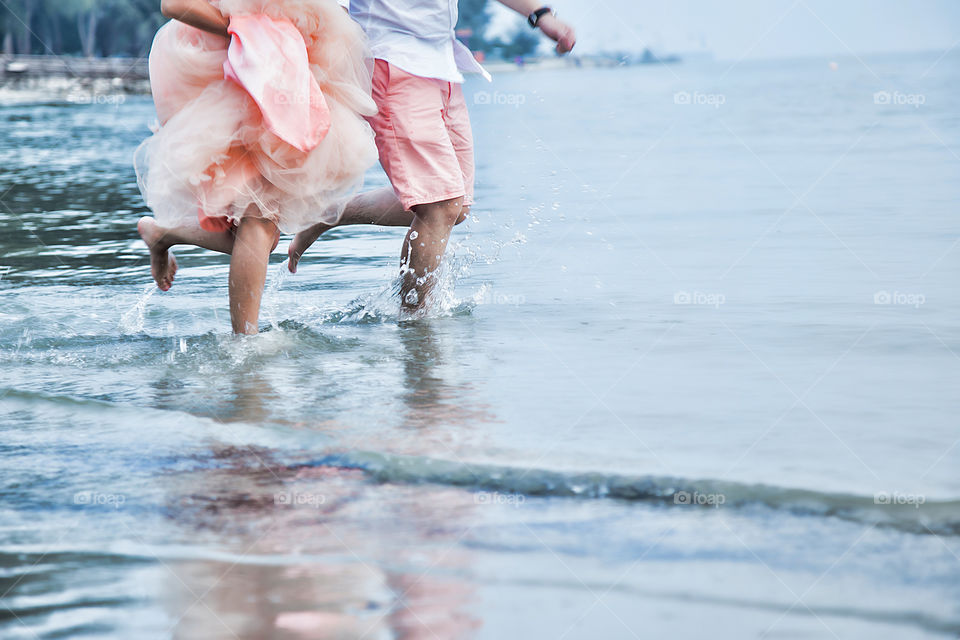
x,y
417,36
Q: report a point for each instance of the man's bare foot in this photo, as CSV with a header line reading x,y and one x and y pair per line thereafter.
x,y
303,241
163,266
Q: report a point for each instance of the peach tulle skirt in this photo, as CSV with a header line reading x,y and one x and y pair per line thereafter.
x,y
213,158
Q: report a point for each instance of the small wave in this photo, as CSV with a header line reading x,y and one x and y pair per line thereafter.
x,y
184,434
932,517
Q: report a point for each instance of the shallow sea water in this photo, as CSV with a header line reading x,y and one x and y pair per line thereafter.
x,y
695,367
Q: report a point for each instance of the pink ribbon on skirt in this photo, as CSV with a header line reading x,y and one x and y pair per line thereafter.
x,y
268,58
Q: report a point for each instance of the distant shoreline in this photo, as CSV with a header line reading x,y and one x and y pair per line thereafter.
x,y
52,66
106,80
71,79
19,67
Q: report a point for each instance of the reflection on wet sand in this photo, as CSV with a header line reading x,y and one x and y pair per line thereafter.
x,y
321,552
434,402
303,561
237,393
222,600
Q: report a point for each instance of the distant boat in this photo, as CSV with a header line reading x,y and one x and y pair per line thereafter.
x,y
649,57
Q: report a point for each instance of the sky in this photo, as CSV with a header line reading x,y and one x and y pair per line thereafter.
x,y
735,29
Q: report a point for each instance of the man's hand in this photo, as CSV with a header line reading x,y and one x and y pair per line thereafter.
x,y
559,32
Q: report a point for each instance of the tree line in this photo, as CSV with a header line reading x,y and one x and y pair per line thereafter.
x,y
104,28
79,27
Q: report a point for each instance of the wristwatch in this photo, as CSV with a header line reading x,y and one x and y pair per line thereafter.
x,y
534,17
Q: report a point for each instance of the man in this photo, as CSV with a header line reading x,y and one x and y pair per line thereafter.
x,y
422,129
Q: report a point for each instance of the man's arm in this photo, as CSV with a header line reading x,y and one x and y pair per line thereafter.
x,y
196,13
556,30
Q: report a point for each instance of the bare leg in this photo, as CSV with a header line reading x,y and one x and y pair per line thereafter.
x,y
160,239
163,266
423,249
380,207
248,272
155,235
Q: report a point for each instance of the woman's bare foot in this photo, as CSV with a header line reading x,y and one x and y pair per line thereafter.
x,y
163,266
302,241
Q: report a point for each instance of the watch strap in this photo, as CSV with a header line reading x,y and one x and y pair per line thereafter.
x,y
534,17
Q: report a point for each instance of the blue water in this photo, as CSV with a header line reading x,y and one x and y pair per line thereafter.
x,y
733,286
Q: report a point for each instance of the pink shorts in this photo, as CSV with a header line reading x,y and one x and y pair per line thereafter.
x,y
423,136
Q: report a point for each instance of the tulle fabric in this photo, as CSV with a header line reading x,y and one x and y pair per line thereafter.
x,y
213,161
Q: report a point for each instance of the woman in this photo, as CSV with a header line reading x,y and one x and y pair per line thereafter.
x,y
262,107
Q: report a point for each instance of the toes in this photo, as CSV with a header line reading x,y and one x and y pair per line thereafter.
x,y
292,259
171,271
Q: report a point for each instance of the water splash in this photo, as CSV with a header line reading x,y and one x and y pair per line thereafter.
x,y
133,319
384,305
270,307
